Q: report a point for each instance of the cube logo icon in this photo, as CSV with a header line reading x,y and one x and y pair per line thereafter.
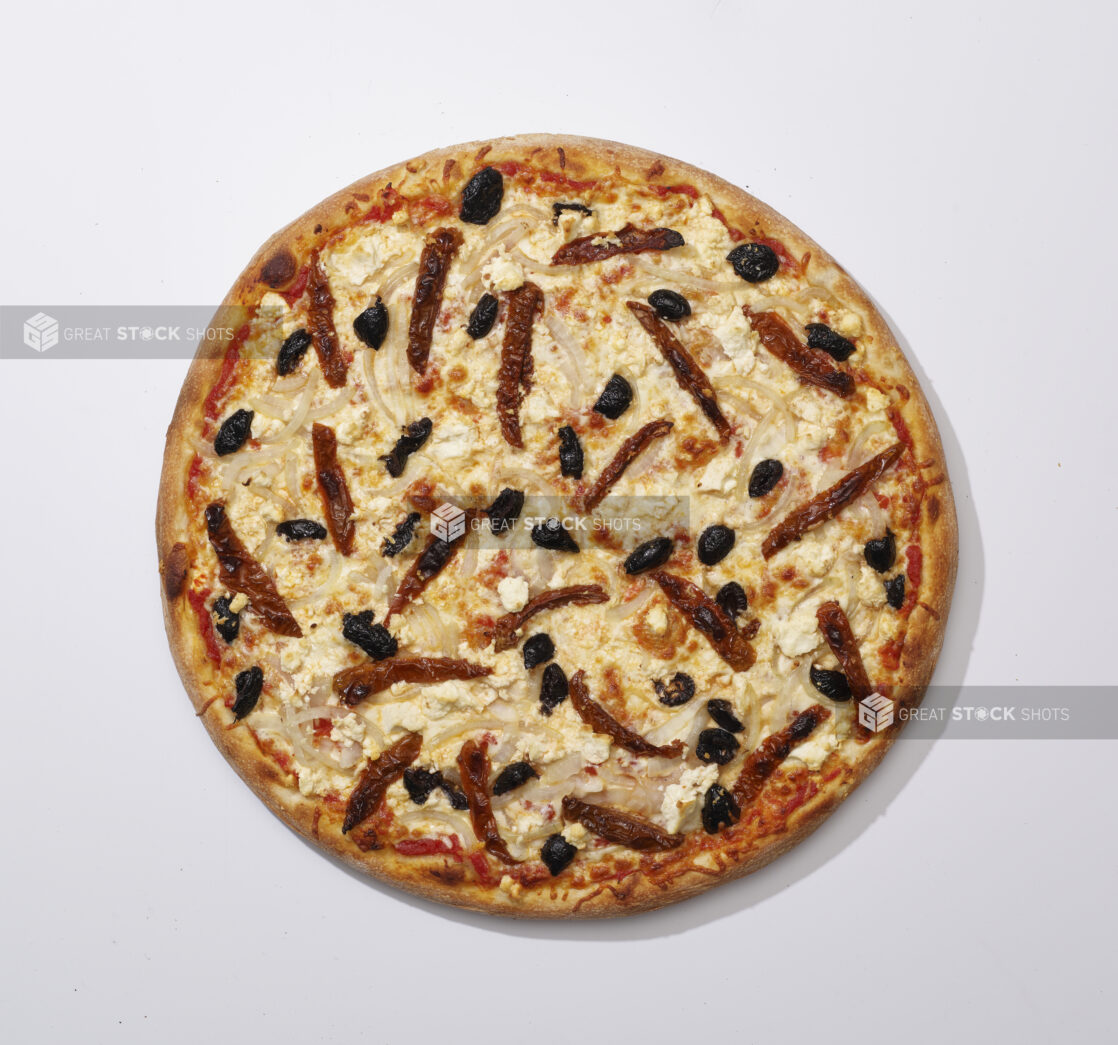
x,y
40,332
875,712
448,522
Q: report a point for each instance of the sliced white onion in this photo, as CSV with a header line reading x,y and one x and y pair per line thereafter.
x,y
671,276
572,361
395,279
624,610
291,481
275,407
368,371
331,406
479,725
854,454
506,234
298,415
455,823
324,588
268,495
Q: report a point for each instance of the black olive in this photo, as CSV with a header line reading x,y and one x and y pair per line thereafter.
x,y
706,620
248,684
650,555
433,558
553,689
483,317
716,745
714,544
505,510
514,775
894,591
454,794
765,476
538,650
374,639
732,598
754,262
832,684
415,435
292,351
401,536
677,691
234,430
226,621
558,208
669,304
615,398
719,809
819,335
723,713
371,326
570,453
882,552
301,530
557,853
551,535
421,782
481,198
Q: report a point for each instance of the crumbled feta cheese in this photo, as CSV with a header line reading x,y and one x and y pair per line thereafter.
x,y
514,593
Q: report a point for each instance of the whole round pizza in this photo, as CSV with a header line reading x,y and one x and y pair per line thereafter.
x,y
550,528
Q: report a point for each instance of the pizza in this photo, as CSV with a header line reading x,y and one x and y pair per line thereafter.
x,y
548,527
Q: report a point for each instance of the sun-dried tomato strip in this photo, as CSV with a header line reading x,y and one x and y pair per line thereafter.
x,y
765,759
434,263
629,240
240,572
601,721
514,377
613,825
320,323
473,767
353,685
336,502
688,373
579,594
383,770
427,566
840,637
707,617
811,366
830,502
625,455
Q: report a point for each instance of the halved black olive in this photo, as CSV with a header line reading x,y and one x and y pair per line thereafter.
x,y
514,775
234,430
723,713
570,453
669,304
553,689
894,591
371,326
677,691
415,435
714,544
419,783
481,198
832,684
558,208
292,351
557,853
716,745
483,317
401,536
454,794
766,474
881,553
615,398
505,510
819,335
754,262
719,809
732,598
226,622
649,555
537,650
248,685
301,530
374,639
551,535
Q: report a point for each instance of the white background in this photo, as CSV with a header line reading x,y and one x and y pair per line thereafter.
x,y
959,159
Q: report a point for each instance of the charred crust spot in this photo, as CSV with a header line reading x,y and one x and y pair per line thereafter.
x,y
317,229
482,153
174,571
933,508
279,269
655,170
562,158
452,874
448,169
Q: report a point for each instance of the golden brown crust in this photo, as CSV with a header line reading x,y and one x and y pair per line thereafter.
x,y
740,850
